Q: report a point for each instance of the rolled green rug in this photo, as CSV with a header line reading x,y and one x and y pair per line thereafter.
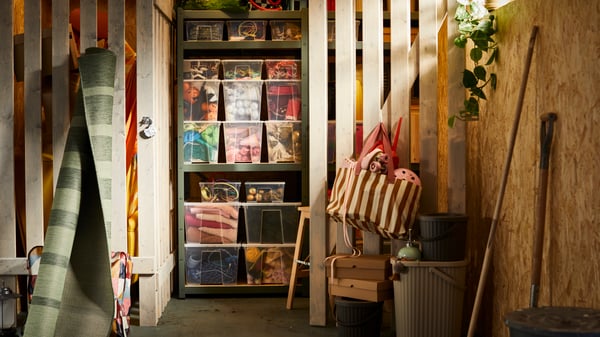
x,y
73,295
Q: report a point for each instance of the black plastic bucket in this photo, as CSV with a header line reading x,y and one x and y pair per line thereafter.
x,y
554,322
443,236
357,318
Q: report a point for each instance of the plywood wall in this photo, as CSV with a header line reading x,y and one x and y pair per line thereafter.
x,y
564,79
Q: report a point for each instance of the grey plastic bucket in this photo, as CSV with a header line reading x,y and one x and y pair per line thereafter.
x,y
358,318
554,322
428,298
443,236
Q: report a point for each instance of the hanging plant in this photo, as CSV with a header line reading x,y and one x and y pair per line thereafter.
x,y
475,24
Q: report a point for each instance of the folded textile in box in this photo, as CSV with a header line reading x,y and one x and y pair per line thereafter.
x,y
367,290
363,267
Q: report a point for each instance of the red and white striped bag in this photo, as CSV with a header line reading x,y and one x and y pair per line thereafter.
x,y
384,203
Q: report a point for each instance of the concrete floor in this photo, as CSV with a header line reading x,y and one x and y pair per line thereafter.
x,y
241,317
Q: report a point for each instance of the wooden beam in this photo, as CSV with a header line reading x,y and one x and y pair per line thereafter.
x,y
317,37
372,23
61,116
8,238
457,157
88,23
428,127
32,98
345,102
116,43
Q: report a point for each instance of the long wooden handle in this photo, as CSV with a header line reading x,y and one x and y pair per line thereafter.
x,y
546,132
488,250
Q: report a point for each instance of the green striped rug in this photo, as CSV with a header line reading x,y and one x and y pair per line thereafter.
x,y
73,295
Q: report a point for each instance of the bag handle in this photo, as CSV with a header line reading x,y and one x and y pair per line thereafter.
x,y
379,133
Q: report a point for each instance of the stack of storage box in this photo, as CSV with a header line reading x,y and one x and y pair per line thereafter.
x,y
211,234
364,277
271,228
242,91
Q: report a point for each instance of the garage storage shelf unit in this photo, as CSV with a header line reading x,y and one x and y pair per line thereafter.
x,y
233,255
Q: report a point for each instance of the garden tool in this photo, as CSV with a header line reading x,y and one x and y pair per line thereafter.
x,y
546,131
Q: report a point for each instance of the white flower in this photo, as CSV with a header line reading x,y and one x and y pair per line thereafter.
x,y
475,8
478,10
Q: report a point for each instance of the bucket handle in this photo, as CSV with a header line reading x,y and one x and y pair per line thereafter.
x,y
446,278
444,235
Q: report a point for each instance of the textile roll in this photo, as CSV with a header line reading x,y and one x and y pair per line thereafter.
x,y
73,295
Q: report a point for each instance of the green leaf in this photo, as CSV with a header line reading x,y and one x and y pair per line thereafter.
x,y
472,106
469,79
493,57
476,91
451,121
480,72
476,54
460,41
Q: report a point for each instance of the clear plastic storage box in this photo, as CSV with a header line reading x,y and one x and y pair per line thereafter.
x,y
201,142
246,30
285,30
220,191
242,69
242,100
284,141
243,141
264,191
200,100
202,30
269,264
211,264
201,69
211,223
271,222
284,99
285,69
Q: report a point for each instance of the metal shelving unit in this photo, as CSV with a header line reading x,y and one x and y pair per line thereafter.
x,y
295,173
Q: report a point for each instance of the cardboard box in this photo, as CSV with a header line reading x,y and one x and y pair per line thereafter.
x,y
367,290
364,267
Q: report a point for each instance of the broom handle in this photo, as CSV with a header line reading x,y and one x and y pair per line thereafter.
x,y
488,250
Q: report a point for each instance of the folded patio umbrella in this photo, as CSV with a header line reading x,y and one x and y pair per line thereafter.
x,y
73,295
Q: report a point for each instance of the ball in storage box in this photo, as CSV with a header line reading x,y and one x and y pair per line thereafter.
x,y
242,100
443,236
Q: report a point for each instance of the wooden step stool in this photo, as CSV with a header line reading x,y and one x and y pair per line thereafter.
x,y
299,269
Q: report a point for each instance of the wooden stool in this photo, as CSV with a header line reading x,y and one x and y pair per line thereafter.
x,y
298,272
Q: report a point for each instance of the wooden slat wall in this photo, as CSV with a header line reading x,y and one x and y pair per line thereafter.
x,y
155,261
430,58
